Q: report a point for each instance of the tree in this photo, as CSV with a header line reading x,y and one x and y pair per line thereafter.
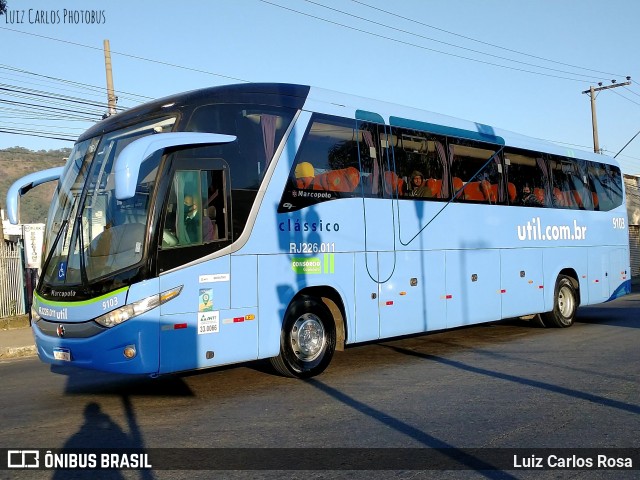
x,y
3,7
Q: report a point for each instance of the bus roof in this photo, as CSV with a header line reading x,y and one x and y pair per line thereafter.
x,y
341,104
277,94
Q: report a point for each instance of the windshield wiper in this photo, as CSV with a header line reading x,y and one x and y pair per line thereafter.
x,y
81,253
63,226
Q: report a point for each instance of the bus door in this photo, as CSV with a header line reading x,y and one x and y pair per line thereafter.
x,y
196,222
411,300
379,235
374,266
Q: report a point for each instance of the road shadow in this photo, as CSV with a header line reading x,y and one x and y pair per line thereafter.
x,y
429,441
84,382
99,432
597,399
627,317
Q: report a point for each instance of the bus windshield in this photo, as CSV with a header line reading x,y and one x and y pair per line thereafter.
x,y
91,234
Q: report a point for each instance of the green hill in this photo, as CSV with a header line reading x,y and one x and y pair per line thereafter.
x,y
16,162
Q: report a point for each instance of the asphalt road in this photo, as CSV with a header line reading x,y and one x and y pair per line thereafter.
x,y
496,386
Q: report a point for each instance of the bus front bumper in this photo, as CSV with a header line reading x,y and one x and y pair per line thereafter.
x,y
131,347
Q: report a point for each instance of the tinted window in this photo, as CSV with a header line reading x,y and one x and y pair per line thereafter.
x,y
335,160
259,130
420,165
568,186
606,186
475,172
527,179
191,215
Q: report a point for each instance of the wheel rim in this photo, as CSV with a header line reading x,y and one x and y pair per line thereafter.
x,y
566,301
308,337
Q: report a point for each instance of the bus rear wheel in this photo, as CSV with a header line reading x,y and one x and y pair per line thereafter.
x,y
307,340
565,304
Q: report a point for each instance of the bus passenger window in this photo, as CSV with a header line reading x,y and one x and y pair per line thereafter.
x,y
476,172
605,183
327,165
566,183
420,164
526,178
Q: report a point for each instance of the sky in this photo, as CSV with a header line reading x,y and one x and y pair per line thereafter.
x,y
518,65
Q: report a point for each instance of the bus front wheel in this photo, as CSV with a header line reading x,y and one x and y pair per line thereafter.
x,y
565,304
307,340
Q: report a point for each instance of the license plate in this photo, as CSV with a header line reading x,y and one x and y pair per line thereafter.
x,y
62,354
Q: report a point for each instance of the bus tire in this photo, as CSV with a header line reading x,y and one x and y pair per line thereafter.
x,y
565,304
307,339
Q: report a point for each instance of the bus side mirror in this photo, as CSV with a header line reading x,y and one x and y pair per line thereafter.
x,y
127,166
26,183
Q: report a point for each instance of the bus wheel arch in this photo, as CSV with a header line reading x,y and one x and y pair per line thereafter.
x,y
573,277
332,299
312,329
566,298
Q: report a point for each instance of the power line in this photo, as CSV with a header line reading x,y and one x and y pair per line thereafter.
x,y
483,42
590,77
626,144
21,79
632,92
51,102
4,122
52,136
420,46
27,93
137,57
28,114
68,82
40,107
627,99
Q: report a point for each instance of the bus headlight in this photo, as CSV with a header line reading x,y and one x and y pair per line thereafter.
x,y
122,314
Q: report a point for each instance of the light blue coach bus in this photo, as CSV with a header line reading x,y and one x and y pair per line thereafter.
x,y
281,221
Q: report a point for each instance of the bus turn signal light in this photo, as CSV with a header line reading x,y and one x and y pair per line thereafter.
x,y
129,351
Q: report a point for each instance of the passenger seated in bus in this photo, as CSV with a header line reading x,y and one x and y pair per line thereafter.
x,y
529,198
305,174
419,187
341,180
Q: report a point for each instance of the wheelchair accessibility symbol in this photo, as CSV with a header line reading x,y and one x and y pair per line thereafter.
x,y
62,270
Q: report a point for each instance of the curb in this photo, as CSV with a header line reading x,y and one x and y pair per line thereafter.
x,y
16,321
17,352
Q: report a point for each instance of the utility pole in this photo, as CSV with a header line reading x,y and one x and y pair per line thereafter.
x,y
111,97
594,122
